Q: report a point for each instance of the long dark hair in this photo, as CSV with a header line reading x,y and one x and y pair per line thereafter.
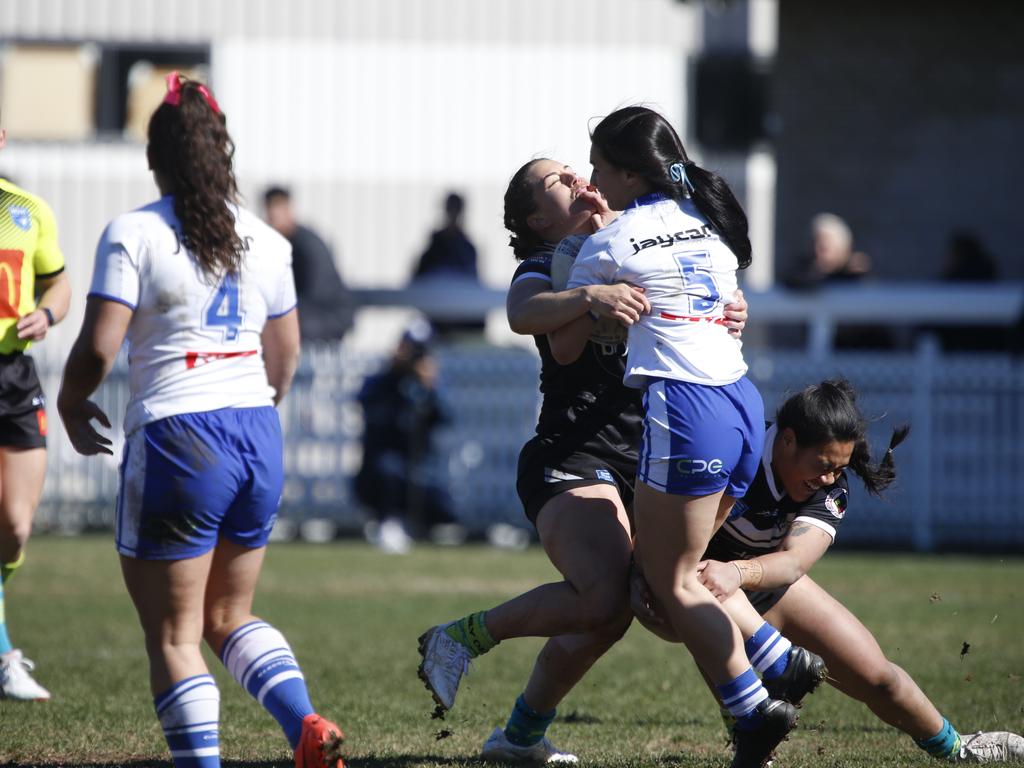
x,y
189,147
519,204
640,140
827,412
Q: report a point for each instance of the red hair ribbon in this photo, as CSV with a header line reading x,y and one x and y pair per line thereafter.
x,y
173,96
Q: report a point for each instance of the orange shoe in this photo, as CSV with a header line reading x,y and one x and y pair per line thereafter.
x,y
320,744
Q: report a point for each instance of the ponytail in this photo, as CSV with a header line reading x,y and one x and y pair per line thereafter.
x,y
827,412
642,141
191,151
716,202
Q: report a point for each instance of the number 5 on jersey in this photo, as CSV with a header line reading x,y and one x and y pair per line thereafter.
x,y
698,281
222,310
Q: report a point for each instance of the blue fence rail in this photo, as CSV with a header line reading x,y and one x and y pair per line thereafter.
x,y
960,475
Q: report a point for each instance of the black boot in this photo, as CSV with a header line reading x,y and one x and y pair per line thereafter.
x,y
754,747
804,673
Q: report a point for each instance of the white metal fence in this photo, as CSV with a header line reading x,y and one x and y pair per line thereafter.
x,y
961,473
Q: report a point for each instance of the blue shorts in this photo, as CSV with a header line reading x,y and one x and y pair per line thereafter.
x,y
187,480
699,439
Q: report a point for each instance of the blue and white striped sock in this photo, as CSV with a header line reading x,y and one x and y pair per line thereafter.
x,y
741,696
189,712
260,659
768,651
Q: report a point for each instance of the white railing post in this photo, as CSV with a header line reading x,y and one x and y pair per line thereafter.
x,y
923,533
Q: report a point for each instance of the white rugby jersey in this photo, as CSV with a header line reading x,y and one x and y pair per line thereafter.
x,y
688,274
193,341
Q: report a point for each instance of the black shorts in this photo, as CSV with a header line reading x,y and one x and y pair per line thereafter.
x,y
765,601
546,470
22,404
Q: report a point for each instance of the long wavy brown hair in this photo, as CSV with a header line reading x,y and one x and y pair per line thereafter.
x,y
191,151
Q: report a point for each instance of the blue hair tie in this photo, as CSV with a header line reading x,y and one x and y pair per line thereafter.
x,y
677,172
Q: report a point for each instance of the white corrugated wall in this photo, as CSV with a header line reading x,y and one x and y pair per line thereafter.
x,y
370,111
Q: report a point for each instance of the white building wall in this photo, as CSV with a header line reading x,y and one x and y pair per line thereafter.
x,y
369,110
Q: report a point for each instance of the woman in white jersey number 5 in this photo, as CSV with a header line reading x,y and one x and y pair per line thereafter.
x,y
204,294
681,237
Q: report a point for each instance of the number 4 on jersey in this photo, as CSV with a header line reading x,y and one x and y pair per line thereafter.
x,y
222,309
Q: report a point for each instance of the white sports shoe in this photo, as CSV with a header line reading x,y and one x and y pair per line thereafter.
x,y
991,747
15,681
445,662
498,749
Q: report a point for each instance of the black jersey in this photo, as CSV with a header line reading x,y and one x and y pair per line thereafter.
x,y
762,518
587,398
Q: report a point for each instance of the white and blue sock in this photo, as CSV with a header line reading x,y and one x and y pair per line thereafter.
x,y
768,651
741,697
260,659
189,712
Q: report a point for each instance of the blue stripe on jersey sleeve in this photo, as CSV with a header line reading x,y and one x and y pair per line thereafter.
x,y
281,314
108,297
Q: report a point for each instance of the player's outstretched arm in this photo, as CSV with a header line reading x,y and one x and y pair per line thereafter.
x,y
803,547
281,347
91,358
534,309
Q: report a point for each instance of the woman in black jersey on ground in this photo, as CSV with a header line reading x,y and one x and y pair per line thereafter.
x,y
575,477
782,526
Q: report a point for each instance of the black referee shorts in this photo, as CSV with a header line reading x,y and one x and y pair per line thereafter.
x,y
22,404
547,469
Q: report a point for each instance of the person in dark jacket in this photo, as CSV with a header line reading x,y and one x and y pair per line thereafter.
x,y
326,308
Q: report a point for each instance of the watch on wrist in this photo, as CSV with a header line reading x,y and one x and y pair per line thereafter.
x,y
50,320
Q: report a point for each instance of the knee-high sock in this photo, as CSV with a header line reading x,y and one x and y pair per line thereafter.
x,y
189,712
260,659
741,697
768,651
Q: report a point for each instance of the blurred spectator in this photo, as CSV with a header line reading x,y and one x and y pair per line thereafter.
x,y
832,258
450,251
967,260
326,308
450,256
833,261
400,479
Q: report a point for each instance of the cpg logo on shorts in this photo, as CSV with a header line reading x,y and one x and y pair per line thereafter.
x,y
699,466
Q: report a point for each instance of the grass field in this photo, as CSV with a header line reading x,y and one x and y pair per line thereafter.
x,y
352,615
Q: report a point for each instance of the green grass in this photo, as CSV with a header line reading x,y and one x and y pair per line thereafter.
x,y
352,615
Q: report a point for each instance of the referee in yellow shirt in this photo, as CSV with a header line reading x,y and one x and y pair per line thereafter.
x,y
31,266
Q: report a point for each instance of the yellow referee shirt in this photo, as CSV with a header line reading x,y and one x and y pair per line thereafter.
x,y
28,251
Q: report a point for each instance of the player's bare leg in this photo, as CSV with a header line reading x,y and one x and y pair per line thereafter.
x,y
859,668
257,654
168,597
22,471
586,534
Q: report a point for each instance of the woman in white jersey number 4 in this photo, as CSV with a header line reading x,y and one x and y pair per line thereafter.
x,y
204,294
681,237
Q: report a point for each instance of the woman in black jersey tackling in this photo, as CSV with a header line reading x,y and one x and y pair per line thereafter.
x,y
575,477
782,526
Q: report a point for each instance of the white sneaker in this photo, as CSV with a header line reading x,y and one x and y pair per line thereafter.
x,y
990,747
498,749
16,682
445,662
393,538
